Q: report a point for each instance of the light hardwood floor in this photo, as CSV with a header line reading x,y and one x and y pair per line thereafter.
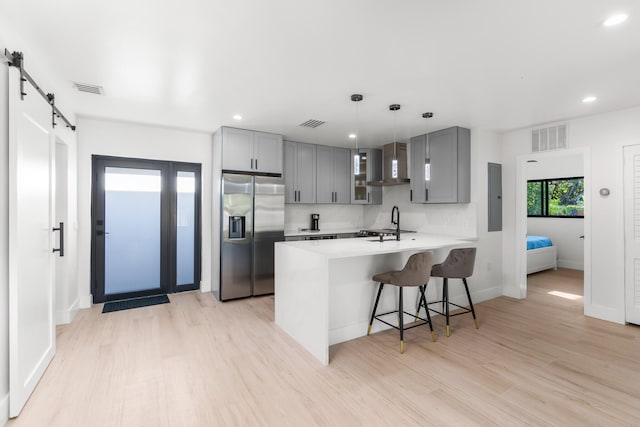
x,y
197,362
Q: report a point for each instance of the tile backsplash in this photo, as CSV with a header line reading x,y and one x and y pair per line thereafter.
x,y
448,219
331,216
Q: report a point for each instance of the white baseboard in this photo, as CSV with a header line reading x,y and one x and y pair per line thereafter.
x,y
604,313
511,292
205,286
85,301
64,317
573,265
4,410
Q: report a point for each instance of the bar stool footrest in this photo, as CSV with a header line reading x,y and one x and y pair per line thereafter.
x,y
424,321
466,310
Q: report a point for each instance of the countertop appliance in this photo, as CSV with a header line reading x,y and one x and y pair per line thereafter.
x,y
252,221
315,222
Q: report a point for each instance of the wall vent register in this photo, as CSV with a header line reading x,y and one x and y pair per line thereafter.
x,y
549,138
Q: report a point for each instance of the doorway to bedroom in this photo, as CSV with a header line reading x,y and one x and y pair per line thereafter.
x,y
555,215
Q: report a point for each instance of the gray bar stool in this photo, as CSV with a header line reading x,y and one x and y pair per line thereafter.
x,y
415,273
458,265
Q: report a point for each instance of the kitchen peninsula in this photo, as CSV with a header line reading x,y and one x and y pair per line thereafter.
x,y
323,288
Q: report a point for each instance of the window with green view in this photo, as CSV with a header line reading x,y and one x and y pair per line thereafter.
x,y
558,198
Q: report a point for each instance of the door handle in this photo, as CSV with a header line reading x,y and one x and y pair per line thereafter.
x,y
60,228
368,201
426,194
256,164
411,195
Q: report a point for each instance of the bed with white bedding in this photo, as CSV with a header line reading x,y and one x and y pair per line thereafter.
x,y
541,254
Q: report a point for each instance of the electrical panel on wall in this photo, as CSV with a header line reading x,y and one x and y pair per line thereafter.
x,y
548,138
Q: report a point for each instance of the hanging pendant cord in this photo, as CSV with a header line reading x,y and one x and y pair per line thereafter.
x,y
395,138
16,59
357,129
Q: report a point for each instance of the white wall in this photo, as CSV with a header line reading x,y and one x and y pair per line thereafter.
x,y
602,137
122,139
564,232
464,220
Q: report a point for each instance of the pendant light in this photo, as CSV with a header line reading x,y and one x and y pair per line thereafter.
x,y
356,97
394,161
427,153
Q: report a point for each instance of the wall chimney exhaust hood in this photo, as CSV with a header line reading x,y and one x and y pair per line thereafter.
x,y
387,165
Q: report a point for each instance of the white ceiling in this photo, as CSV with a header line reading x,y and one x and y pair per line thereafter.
x,y
493,64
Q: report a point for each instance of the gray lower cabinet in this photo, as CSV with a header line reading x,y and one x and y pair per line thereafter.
x,y
333,181
251,151
369,168
441,166
299,172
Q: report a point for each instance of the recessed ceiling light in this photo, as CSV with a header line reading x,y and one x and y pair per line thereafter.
x,y
352,136
589,99
615,20
237,117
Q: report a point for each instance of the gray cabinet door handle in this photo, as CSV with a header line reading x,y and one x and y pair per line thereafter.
x,y
256,164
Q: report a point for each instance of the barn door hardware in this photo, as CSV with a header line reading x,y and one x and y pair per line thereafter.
x,y
16,59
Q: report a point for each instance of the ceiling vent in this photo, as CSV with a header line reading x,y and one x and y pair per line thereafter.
x,y
549,138
312,123
87,88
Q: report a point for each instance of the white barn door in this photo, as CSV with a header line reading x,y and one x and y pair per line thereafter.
x,y
632,233
31,293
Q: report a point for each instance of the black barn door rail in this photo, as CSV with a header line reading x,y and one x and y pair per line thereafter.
x,y
16,59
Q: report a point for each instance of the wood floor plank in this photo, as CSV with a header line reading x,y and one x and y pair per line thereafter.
x,y
198,362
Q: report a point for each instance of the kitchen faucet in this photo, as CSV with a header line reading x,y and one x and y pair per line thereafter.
x,y
395,219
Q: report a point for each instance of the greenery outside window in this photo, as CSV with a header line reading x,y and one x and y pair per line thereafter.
x,y
556,198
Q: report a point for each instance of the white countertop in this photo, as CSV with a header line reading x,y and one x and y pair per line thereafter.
x,y
323,231
364,246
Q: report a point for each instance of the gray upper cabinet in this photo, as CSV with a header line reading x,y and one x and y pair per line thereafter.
x,y
333,169
440,166
370,169
251,151
299,172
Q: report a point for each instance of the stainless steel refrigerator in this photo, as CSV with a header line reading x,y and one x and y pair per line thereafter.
x,y
252,221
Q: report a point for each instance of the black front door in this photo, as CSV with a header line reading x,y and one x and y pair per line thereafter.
x,y
146,227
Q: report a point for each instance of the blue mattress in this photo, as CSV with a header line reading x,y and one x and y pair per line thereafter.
x,y
536,242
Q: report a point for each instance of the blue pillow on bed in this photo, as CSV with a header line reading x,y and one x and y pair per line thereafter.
x,y
536,242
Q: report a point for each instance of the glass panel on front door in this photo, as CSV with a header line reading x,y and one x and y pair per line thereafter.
x,y
132,218
185,228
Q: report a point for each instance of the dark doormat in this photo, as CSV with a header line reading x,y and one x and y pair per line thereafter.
x,y
126,304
